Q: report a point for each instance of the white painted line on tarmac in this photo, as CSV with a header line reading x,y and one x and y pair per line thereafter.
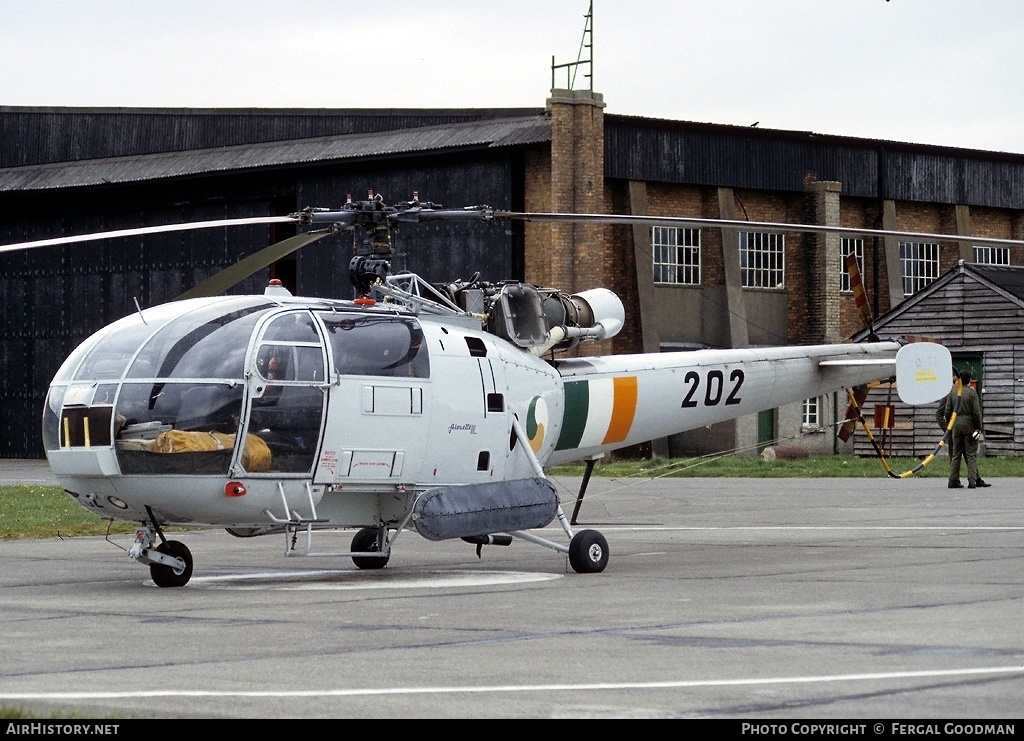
x,y
327,580
494,689
827,528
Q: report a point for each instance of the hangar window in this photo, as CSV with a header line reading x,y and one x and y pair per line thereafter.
x,y
987,255
762,260
920,265
676,255
846,248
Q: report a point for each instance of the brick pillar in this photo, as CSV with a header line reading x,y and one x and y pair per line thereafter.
x,y
822,259
963,228
735,305
580,257
893,263
643,266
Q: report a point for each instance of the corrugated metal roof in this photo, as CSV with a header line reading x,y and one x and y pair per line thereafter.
x,y
318,150
36,136
767,159
759,132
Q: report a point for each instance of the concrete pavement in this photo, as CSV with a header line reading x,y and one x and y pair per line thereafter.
x,y
844,599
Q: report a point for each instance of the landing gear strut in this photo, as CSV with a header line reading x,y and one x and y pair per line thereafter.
x,y
588,550
583,488
170,563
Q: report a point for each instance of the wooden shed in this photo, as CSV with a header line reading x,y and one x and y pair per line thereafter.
x,y
977,311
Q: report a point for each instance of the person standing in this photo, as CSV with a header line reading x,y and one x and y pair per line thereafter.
x,y
966,433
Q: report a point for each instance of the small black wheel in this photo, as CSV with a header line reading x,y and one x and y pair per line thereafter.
x,y
166,576
366,541
588,552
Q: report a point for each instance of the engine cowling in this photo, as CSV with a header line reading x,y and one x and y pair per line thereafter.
x,y
542,320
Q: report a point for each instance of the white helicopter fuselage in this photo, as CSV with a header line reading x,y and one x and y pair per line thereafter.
x,y
434,407
249,412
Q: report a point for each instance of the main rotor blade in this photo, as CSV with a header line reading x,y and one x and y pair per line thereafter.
x,y
683,221
229,276
146,230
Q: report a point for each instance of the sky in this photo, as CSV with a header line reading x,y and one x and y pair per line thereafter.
x,y
945,72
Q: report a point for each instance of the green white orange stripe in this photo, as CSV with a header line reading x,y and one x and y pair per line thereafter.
x,y
597,412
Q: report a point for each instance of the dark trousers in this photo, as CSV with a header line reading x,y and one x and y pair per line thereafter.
x,y
966,447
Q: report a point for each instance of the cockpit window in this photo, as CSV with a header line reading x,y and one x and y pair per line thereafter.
x,y
107,357
203,343
295,326
210,342
197,423
377,345
290,363
290,350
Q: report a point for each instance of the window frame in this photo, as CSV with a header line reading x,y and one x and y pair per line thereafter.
x,y
917,270
681,256
763,260
847,246
810,413
983,254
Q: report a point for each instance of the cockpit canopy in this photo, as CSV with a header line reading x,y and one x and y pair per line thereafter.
x,y
188,339
211,373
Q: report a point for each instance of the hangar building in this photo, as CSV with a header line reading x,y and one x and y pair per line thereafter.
x,y
67,171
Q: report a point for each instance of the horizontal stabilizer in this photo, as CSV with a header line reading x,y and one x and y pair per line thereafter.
x,y
857,361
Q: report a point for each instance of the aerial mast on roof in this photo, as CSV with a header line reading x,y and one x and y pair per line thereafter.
x,y
586,47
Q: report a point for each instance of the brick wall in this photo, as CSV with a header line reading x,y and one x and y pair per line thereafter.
x,y
537,249
568,177
580,258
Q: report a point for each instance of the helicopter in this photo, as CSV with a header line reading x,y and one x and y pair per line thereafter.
x,y
433,408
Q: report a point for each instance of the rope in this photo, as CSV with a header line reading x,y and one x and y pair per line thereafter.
x,y
686,464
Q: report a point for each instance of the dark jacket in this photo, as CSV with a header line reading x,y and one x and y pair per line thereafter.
x,y
968,418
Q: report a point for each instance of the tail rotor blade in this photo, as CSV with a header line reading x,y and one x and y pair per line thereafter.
x,y
857,286
230,276
852,413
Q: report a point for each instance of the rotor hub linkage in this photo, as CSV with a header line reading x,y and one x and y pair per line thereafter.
x,y
374,214
372,222
365,272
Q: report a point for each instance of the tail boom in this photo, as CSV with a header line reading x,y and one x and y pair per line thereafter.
x,y
618,401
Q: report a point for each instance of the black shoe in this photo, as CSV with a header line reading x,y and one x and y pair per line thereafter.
x,y
955,485
971,484
981,484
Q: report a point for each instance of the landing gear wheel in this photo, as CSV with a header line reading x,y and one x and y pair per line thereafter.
x,y
166,576
588,552
366,541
